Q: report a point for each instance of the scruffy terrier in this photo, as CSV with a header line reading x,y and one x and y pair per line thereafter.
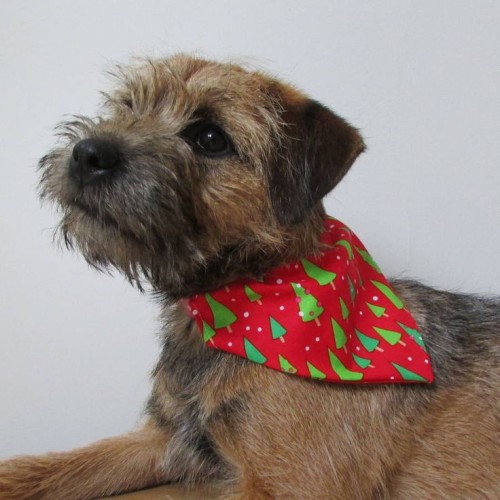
x,y
200,175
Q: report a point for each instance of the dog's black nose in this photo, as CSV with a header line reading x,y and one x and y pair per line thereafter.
x,y
93,158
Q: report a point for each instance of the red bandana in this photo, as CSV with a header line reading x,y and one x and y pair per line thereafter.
x,y
330,317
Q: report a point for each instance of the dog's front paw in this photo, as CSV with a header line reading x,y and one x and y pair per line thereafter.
x,y
27,478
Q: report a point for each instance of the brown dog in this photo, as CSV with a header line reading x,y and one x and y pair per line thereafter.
x,y
201,173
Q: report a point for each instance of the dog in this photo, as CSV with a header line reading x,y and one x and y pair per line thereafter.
x,y
201,174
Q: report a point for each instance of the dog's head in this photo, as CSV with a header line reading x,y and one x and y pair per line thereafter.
x,y
196,173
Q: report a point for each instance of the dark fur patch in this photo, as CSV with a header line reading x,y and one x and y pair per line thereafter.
x,y
317,150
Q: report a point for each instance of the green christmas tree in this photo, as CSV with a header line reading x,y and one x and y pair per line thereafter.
x,y
387,291
343,372
208,333
277,330
347,246
352,289
343,308
407,374
322,276
379,311
390,336
362,362
369,343
339,335
223,317
415,334
315,373
253,296
253,354
285,365
368,259
308,304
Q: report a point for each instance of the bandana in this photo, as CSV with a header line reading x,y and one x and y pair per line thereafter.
x,y
331,317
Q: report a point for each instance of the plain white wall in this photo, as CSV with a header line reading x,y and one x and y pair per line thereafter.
x,y
420,78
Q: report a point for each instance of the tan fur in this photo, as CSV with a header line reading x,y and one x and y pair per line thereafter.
x,y
124,463
187,224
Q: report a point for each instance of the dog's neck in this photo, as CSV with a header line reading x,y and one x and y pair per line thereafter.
x,y
244,261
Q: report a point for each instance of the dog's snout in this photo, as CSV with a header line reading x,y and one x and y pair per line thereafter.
x,y
93,158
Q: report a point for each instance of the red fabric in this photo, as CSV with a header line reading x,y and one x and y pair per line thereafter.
x,y
331,317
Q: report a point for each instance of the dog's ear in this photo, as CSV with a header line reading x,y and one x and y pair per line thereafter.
x,y
314,153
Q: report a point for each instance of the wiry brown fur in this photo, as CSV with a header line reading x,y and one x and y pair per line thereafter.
x,y
188,223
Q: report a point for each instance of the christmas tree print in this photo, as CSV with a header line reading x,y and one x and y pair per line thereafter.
x,y
223,317
389,294
407,374
339,335
368,259
362,362
253,354
379,311
343,372
415,334
208,333
285,365
322,276
253,296
352,289
308,304
347,246
305,327
315,373
390,336
369,343
343,308
277,330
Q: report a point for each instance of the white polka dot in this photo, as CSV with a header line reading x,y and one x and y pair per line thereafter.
x,y
299,285
282,308
338,257
343,278
410,358
361,313
279,281
233,300
229,344
296,266
246,314
426,361
357,348
195,312
392,378
307,347
277,294
259,329
375,298
301,314
317,339
247,328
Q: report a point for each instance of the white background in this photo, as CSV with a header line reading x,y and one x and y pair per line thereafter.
x,y
421,79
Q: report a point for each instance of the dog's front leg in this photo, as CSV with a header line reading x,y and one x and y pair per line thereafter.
x,y
124,463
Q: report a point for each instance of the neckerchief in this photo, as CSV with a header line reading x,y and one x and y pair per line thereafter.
x,y
331,316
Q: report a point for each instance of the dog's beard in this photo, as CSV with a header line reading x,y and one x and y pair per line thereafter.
x,y
134,223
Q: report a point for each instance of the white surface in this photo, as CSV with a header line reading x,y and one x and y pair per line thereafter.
x,y
421,79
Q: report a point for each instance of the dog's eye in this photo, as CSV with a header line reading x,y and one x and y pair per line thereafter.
x,y
209,139
212,140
